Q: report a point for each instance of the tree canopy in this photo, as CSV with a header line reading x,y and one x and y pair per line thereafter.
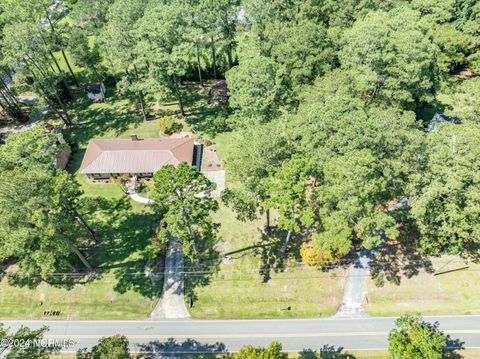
x,y
416,339
183,199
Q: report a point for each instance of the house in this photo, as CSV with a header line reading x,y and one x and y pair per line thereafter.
x,y
439,118
135,157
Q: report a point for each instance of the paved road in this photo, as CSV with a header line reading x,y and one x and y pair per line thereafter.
x,y
187,336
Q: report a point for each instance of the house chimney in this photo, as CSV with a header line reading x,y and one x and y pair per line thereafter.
x,y
133,137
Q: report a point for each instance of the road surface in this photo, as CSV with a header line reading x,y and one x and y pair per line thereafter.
x,y
202,336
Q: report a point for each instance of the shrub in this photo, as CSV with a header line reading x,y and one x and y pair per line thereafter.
x,y
316,256
379,280
167,125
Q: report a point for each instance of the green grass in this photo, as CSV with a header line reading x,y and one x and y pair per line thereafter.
x,y
449,293
117,291
224,143
238,291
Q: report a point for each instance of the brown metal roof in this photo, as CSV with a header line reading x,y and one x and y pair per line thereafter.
x,y
139,156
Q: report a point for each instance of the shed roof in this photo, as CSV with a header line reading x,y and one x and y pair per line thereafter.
x,y
135,155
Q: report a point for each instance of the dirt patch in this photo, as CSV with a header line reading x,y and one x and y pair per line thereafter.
x,y
465,74
210,161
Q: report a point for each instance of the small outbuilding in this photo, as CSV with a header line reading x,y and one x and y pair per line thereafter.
x,y
439,118
96,91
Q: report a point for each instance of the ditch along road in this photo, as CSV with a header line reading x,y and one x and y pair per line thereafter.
x,y
182,336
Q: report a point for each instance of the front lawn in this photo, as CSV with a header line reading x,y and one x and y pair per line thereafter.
x,y
118,290
238,291
453,292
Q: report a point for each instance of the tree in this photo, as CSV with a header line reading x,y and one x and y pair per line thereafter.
x,y
292,35
331,123
254,90
217,21
30,50
349,195
183,199
90,14
114,347
39,224
118,40
415,339
444,196
28,350
163,44
29,148
254,151
273,351
84,55
393,56
290,191
468,21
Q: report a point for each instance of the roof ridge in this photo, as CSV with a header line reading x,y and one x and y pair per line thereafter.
x,y
180,142
85,164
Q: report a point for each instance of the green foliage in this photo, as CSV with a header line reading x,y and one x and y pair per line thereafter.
x,y
240,201
392,56
453,45
254,151
253,90
38,227
273,351
25,334
415,339
292,35
168,125
289,191
444,198
82,53
90,14
351,190
31,147
114,347
379,280
183,199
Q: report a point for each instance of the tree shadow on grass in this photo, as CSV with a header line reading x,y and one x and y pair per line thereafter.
x,y
199,273
174,348
394,260
274,255
124,236
94,119
203,117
